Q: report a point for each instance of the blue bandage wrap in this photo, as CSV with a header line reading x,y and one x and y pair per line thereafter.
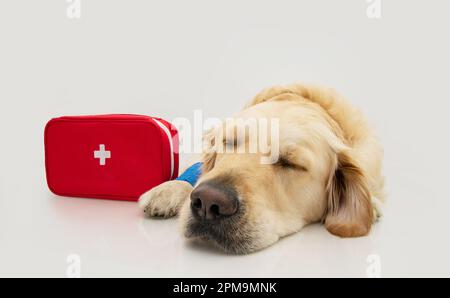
x,y
192,174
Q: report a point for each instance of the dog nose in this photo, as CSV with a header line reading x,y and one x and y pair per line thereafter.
x,y
211,202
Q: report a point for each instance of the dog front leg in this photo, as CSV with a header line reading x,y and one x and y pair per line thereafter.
x,y
166,199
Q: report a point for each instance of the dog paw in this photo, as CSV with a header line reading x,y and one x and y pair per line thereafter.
x,y
166,199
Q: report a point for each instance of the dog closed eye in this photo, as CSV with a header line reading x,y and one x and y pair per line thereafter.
x,y
285,162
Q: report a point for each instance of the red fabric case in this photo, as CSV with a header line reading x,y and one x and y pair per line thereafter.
x,y
115,157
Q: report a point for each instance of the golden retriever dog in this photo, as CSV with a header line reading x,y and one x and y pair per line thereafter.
x,y
328,170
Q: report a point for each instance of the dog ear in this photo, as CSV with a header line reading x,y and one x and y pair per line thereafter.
x,y
349,211
209,151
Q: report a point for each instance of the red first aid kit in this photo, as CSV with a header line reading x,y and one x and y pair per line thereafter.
x,y
115,157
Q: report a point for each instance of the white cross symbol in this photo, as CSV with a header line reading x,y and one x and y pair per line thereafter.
x,y
102,155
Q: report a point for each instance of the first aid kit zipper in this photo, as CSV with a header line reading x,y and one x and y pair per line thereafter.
x,y
169,136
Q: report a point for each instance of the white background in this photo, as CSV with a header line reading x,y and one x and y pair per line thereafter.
x,y
168,58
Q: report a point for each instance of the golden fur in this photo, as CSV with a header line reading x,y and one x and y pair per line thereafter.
x,y
331,173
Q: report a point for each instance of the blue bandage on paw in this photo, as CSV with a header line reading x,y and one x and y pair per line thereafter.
x,y
192,174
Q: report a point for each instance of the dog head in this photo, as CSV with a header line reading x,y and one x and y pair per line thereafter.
x,y
243,203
